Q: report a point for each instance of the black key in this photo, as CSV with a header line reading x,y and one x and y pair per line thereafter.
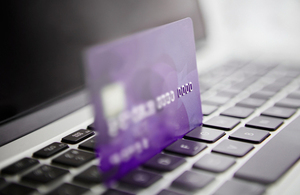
x,y
164,162
50,150
2,182
216,100
16,189
208,109
251,103
204,134
249,135
233,148
237,187
294,95
222,122
238,112
89,145
78,136
215,163
91,126
279,112
45,174
19,166
141,178
67,189
115,192
168,192
74,158
186,147
275,158
263,94
192,180
267,123
90,175
289,103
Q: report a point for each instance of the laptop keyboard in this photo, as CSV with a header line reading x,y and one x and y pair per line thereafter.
x,y
249,117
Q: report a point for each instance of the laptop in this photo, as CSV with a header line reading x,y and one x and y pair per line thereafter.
x,y
248,141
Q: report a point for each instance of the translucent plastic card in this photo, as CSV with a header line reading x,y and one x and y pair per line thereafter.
x,y
145,93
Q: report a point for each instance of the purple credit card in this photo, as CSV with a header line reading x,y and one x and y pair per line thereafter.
x,y
145,93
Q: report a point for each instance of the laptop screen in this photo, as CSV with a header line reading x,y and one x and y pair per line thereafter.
x,y
45,41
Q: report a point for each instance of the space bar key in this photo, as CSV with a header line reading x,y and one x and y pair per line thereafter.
x,y
274,158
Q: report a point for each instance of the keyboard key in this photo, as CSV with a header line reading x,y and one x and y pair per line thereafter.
x,y
67,189
74,158
267,123
233,148
186,147
2,182
289,103
262,94
141,178
204,134
249,135
164,162
216,100
245,83
89,145
275,158
237,187
90,175
168,192
16,189
284,81
50,150
78,136
91,126
20,166
238,112
292,73
215,163
45,174
251,103
233,91
228,93
294,95
222,122
279,112
274,87
208,109
192,180
115,192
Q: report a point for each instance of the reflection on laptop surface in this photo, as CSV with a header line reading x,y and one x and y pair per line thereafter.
x,y
248,142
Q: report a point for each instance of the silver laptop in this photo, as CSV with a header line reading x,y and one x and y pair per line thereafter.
x,y
248,143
